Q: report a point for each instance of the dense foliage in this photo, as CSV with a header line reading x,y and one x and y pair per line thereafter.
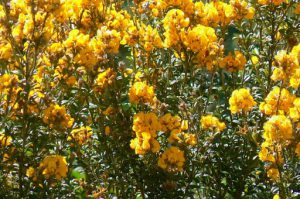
x,y
149,99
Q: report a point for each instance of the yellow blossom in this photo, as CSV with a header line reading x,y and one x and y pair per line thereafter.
x,y
81,135
241,101
56,117
172,160
209,122
54,166
141,92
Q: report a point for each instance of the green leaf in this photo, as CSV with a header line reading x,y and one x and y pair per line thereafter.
x,y
78,173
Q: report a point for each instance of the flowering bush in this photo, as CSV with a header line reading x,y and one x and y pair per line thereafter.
x,y
149,99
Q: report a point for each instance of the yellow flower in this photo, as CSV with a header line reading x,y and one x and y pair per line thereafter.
x,y
5,140
145,126
149,38
56,117
233,62
104,79
212,123
241,101
54,166
184,125
273,105
169,122
141,92
278,129
175,136
32,173
276,196
254,59
273,173
173,22
271,153
286,65
172,160
190,139
81,135
199,38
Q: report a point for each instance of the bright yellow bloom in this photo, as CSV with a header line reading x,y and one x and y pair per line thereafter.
x,y
173,23
190,139
233,62
276,196
254,59
286,64
212,123
275,2
104,79
278,129
141,92
5,140
56,117
172,160
199,38
273,173
277,105
169,122
146,122
145,126
149,38
241,101
54,166
271,153
81,135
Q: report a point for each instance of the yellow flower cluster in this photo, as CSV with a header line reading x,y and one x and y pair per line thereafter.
x,y
104,79
233,62
271,153
172,160
174,22
8,82
202,40
145,126
278,131
5,48
5,140
209,122
175,126
287,67
277,101
54,166
241,101
57,117
294,112
149,38
275,2
220,13
9,90
141,92
169,122
81,135
199,38
273,173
